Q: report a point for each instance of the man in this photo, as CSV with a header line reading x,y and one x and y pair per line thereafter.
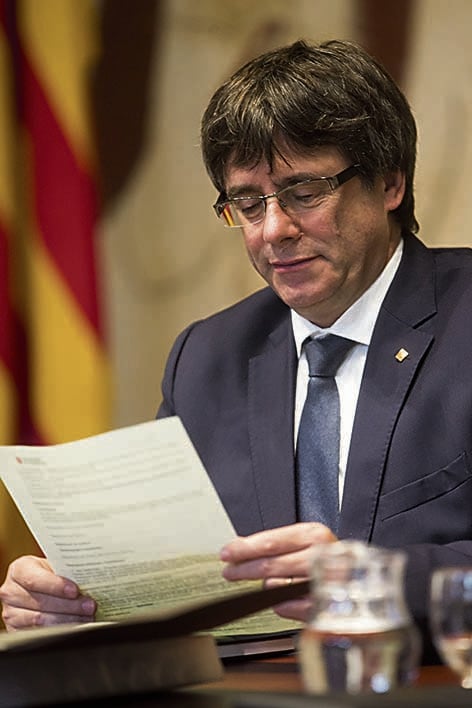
x,y
312,150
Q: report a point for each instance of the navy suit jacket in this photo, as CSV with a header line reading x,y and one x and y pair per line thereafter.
x,y
231,379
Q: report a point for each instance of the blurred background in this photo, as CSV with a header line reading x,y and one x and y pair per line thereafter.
x,y
108,243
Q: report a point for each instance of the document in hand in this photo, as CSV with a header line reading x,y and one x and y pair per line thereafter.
x,y
132,517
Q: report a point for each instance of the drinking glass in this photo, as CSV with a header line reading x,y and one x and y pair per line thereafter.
x,y
451,619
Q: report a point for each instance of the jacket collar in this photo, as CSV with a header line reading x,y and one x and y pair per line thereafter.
x,y
388,376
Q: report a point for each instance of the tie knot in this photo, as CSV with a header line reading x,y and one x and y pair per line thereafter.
x,y
326,354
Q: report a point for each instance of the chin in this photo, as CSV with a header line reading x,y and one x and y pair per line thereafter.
x,y
309,307
299,301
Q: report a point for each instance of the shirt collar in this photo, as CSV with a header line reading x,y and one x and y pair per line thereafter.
x,y
358,322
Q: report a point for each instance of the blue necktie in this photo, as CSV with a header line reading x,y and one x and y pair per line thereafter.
x,y
318,434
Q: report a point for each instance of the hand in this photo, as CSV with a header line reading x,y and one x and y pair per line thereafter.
x,y
277,556
32,595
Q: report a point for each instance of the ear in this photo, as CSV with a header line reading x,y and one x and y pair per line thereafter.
x,y
394,189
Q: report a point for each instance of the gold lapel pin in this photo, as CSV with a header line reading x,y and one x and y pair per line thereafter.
x,y
401,355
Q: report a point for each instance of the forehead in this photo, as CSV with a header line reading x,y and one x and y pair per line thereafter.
x,y
322,162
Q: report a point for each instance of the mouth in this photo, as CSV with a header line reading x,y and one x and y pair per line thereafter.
x,y
287,266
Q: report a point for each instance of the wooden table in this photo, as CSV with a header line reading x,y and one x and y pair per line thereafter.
x,y
276,683
282,676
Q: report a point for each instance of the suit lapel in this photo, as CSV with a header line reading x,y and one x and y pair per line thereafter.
x,y
386,382
270,420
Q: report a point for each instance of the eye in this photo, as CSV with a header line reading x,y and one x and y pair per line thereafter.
x,y
304,194
249,209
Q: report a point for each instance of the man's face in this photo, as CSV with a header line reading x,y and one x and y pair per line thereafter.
x,y
321,261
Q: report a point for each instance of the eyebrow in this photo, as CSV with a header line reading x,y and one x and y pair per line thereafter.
x,y
244,190
251,190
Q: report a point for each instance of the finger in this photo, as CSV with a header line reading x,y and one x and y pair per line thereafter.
x,y
274,542
44,610
288,565
18,619
35,575
33,594
295,609
39,602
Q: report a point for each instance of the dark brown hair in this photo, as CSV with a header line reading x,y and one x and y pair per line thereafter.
x,y
303,96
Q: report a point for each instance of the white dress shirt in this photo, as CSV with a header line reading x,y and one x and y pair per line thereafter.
x,y
357,323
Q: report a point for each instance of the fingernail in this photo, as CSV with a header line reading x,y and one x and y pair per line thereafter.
x,y
224,554
88,606
70,590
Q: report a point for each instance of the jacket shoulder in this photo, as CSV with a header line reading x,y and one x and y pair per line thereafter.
x,y
236,330
459,257
251,318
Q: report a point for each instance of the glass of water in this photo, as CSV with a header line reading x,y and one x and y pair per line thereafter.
x,y
451,619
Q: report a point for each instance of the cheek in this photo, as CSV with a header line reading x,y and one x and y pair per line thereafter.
x,y
357,228
328,223
253,247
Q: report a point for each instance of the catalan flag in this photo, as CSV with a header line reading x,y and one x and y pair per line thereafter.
x,y
8,399
54,373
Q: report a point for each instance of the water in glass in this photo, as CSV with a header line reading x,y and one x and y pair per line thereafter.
x,y
360,636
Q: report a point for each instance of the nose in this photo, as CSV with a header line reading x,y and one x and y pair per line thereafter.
x,y
278,225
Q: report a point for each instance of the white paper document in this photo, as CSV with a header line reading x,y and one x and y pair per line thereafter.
x,y
131,516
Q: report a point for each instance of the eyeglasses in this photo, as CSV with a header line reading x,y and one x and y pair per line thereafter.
x,y
297,198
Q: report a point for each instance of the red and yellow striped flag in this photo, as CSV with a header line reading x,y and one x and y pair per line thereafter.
x,y
48,218
8,402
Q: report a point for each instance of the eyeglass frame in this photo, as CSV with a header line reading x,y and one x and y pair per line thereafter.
x,y
333,182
